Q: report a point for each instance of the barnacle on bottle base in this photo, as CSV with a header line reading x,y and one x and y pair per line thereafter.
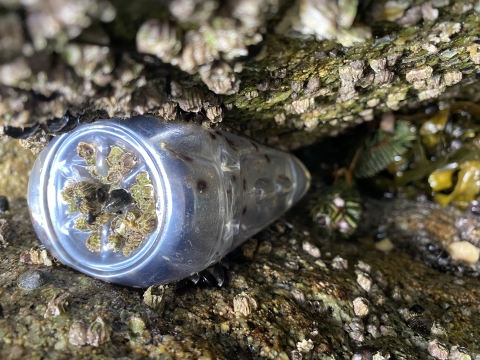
x,y
145,201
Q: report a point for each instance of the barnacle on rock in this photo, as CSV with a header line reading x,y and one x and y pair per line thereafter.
x,y
168,111
189,99
77,335
244,304
87,151
325,20
193,11
50,19
219,78
37,142
210,40
98,332
160,39
154,297
57,305
90,62
36,256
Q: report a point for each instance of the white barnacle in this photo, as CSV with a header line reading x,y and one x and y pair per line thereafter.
x,y
244,304
98,332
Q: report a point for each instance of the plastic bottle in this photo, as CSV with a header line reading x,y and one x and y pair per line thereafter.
x,y
145,201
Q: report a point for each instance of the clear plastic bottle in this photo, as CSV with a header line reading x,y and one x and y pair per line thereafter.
x,y
145,201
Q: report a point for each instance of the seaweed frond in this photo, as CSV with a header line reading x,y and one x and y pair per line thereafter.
x,y
381,150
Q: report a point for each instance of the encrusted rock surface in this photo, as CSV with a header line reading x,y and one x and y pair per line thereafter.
x,y
282,301
303,70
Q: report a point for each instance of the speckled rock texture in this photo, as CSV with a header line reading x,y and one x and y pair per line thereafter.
x,y
302,70
291,294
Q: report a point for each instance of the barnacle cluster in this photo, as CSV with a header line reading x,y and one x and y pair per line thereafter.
x,y
204,42
129,214
325,19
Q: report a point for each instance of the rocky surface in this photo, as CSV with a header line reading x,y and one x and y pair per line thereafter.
x,y
291,294
301,70
264,68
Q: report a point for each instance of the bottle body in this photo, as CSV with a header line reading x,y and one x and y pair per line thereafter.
x,y
194,194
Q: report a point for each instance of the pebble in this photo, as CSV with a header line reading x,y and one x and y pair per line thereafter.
x,y
339,263
438,351
463,251
384,245
33,279
264,248
364,266
311,249
305,346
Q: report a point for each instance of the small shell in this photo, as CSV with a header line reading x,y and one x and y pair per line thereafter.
x,y
154,297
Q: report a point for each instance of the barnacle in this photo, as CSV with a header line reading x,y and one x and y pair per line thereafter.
x,y
57,305
114,242
94,242
326,20
87,151
98,332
